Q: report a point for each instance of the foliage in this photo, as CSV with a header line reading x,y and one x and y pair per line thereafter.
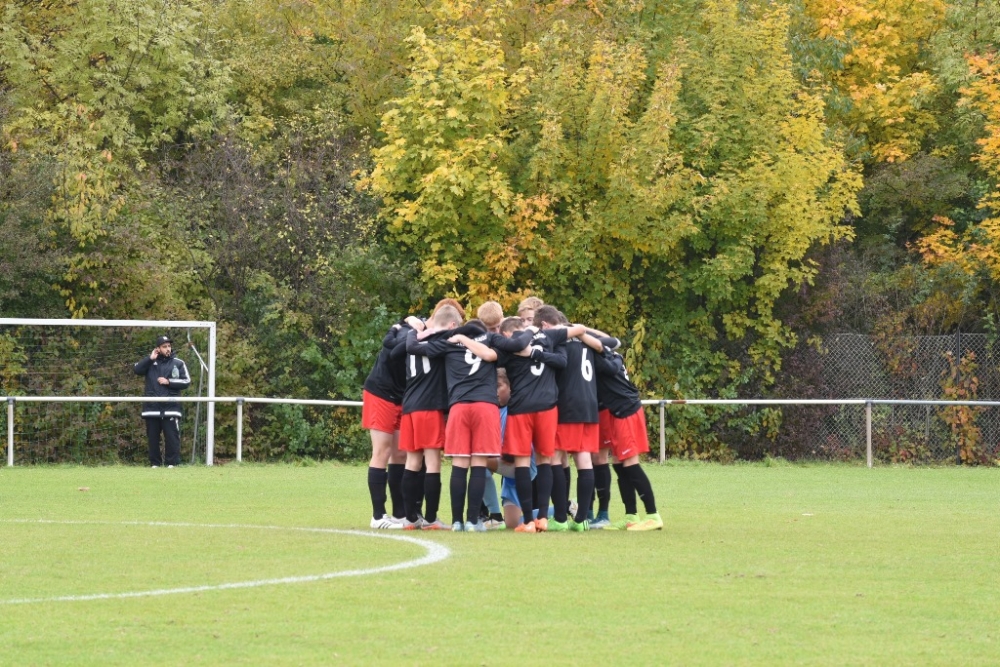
x,y
879,85
959,383
94,86
720,182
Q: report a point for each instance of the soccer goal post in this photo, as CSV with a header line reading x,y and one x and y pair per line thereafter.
x,y
58,360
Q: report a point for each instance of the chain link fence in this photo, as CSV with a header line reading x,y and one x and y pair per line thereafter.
x,y
848,366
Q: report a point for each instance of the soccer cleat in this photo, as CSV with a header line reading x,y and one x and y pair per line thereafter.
x,y
558,526
652,522
413,525
458,527
579,527
385,523
600,523
434,525
573,507
493,524
526,528
541,525
601,516
476,527
623,524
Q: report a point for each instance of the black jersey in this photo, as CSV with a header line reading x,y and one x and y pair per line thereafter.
x,y
614,390
426,387
577,387
533,386
469,378
387,378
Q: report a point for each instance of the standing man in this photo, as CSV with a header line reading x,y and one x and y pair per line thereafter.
x,y
166,375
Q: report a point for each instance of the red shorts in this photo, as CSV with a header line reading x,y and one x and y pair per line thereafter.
x,y
605,434
473,430
421,430
533,428
629,436
577,438
379,414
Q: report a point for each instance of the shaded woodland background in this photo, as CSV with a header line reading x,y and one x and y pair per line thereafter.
x,y
724,184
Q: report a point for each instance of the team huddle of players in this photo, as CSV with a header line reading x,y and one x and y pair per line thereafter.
x,y
563,393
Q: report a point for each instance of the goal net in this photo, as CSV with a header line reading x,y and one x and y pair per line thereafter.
x,y
70,359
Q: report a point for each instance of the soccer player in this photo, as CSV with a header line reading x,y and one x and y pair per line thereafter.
x,y
472,434
629,439
532,414
577,432
421,434
382,407
491,314
526,309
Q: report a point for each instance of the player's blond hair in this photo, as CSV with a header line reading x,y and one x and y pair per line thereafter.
x,y
447,314
450,302
531,303
491,313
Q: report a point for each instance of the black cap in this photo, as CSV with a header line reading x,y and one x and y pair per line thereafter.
x,y
160,340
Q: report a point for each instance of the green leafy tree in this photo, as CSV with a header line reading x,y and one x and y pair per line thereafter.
x,y
95,87
440,169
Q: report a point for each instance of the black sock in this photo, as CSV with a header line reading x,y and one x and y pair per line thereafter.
x,y
569,484
642,487
411,493
376,488
477,489
626,489
432,494
396,489
585,493
560,503
422,475
522,479
544,481
602,486
457,487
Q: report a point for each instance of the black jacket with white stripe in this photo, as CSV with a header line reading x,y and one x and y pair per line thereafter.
x,y
175,371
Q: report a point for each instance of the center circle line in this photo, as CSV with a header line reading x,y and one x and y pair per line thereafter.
x,y
435,553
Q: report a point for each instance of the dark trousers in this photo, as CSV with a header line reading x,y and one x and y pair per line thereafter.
x,y
171,434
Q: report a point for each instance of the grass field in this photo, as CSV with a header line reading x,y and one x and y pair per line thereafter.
x,y
759,565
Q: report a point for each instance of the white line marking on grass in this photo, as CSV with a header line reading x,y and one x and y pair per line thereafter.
x,y
435,553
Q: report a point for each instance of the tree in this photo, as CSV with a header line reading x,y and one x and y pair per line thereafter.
x,y
95,86
440,169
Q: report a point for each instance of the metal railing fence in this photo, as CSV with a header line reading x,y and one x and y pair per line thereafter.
x,y
866,426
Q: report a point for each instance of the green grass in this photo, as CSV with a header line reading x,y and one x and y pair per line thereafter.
x,y
760,565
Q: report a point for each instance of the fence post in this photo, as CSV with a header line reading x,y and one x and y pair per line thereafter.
x,y
239,430
10,431
868,430
663,433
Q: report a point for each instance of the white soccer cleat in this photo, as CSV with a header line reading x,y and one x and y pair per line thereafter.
x,y
386,523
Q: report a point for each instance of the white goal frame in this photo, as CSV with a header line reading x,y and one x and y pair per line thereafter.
x,y
150,324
